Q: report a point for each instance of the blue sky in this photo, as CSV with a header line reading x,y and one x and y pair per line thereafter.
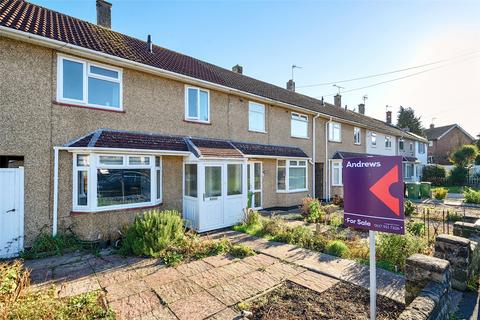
x,y
330,40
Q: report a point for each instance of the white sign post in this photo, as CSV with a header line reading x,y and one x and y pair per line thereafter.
x,y
373,276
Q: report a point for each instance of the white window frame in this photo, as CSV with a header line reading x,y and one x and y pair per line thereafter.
x,y
250,103
299,118
411,146
197,118
94,165
87,74
388,142
331,127
421,148
430,143
401,142
355,131
337,164
373,142
287,175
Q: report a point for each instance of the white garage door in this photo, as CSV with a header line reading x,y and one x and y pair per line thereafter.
x,y
11,212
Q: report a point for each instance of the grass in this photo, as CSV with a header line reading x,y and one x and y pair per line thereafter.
x,y
456,189
46,245
18,302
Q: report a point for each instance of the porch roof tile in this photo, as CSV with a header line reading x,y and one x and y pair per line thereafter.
x,y
346,154
215,148
256,149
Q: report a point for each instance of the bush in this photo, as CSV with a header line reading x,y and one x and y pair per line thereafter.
x,y
252,218
153,233
47,245
439,193
337,248
395,249
336,221
338,200
416,228
274,226
434,174
471,196
458,176
241,251
409,208
312,210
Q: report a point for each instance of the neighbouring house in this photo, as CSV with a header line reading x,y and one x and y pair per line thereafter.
x,y
98,127
443,141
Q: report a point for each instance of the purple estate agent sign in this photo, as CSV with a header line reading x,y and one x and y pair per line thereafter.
x,y
373,193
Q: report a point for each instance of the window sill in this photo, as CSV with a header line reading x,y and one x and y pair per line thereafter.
x,y
197,122
357,144
292,191
298,137
83,106
337,185
334,141
74,213
257,131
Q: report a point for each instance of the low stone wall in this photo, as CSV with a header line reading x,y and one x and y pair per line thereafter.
x,y
427,288
466,229
458,251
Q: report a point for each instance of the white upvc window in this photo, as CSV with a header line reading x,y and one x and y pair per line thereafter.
x,y
357,135
373,139
89,84
411,146
334,131
337,173
299,125
197,104
408,170
104,182
421,147
388,142
256,117
291,175
430,143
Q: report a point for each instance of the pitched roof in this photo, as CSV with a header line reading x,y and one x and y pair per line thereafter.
x,y
437,132
200,147
340,155
37,20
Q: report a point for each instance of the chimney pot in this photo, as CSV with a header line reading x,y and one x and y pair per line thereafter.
x,y
149,44
237,69
104,14
389,117
432,126
337,100
291,85
361,108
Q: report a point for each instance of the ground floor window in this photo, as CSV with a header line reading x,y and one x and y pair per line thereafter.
x,y
337,173
408,171
234,179
104,182
190,180
291,175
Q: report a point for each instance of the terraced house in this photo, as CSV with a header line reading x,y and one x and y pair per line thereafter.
x,y
98,126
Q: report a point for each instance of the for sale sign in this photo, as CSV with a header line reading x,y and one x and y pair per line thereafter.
x,y
373,193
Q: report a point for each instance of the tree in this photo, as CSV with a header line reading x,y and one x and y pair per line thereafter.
x,y
407,119
463,158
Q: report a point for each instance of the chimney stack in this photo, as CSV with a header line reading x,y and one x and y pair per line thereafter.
x,y
389,117
361,108
337,100
237,69
432,126
149,44
104,14
291,85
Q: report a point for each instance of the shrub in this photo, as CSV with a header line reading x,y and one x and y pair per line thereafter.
x,y
434,174
172,258
274,226
312,210
338,200
395,249
47,245
330,208
153,233
458,176
336,221
301,236
241,251
416,228
252,218
471,196
318,243
439,193
337,248
409,208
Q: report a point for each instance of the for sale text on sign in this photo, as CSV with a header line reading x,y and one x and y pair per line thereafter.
x,y
373,193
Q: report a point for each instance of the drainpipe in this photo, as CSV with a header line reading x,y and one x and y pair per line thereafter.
x,y
55,191
327,162
313,154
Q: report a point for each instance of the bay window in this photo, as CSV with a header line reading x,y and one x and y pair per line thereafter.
x,y
291,175
197,104
116,181
89,84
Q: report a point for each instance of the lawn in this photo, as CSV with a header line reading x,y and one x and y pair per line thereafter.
x,y
456,189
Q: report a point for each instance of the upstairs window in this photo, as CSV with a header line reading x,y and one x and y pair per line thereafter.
x,y
90,84
421,148
334,131
356,135
299,125
388,142
401,144
411,146
256,117
197,104
373,139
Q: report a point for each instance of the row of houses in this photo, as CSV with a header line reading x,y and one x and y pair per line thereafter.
x,y
104,126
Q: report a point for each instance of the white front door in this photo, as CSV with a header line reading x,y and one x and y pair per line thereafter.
x,y
11,212
254,184
212,215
